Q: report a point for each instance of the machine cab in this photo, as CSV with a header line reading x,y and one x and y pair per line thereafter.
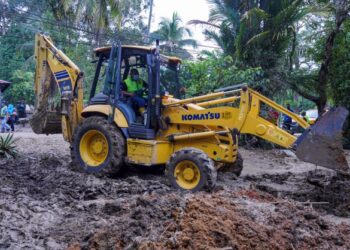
x,y
158,73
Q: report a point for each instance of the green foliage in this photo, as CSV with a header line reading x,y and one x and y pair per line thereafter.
x,y
297,102
81,55
256,33
100,17
340,74
21,87
340,69
8,146
16,50
207,75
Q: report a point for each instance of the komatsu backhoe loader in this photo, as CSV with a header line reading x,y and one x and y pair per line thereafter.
x,y
192,137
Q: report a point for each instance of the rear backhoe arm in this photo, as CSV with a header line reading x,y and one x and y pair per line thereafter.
x,y
58,89
257,125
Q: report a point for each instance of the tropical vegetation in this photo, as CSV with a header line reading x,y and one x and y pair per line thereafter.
x,y
294,51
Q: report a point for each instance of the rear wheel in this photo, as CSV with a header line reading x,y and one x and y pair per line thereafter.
x,y
98,146
235,167
191,170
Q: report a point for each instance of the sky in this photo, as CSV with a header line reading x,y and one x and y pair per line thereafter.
x,y
187,10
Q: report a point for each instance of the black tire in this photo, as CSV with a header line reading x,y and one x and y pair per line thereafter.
x,y
235,167
204,164
116,146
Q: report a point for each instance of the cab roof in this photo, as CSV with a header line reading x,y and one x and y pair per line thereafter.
x,y
106,49
146,49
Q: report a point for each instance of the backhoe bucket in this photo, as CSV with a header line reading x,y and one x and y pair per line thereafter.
x,y
321,144
46,122
47,118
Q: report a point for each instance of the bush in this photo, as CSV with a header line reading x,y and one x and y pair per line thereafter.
x,y
21,87
205,76
7,146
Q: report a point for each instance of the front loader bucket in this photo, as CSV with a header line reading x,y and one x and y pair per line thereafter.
x,y
321,144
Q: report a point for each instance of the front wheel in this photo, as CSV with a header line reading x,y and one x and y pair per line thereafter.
x,y
192,170
98,146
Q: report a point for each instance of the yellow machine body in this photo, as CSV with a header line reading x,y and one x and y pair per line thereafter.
x,y
148,152
106,111
209,123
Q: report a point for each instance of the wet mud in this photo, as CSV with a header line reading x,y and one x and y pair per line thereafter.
x,y
278,203
325,190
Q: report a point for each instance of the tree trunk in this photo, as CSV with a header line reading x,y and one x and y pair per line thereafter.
x,y
292,52
342,10
341,15
4,16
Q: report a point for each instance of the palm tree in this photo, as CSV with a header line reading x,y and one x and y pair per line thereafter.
x,y
97,16
172,33
255,32
101,14
223,23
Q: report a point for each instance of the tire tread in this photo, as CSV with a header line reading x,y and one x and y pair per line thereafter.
x,y
117,140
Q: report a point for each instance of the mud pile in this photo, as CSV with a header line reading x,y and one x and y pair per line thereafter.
x,y
240,220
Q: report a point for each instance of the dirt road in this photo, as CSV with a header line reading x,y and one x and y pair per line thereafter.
x,y
44,204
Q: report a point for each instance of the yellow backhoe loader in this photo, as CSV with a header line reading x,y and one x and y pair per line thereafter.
x,y
192,137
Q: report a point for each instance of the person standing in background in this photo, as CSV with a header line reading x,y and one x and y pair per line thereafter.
x,y
287,120
11,116
4,118
21,109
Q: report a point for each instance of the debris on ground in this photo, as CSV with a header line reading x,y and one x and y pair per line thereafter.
x,y
278,203
327,190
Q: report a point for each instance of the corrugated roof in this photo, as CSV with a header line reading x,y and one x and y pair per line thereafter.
x,y
4,85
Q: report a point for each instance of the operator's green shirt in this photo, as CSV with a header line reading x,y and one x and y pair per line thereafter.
x,y
132,86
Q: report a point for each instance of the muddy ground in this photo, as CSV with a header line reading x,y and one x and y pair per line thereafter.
x,y
278,203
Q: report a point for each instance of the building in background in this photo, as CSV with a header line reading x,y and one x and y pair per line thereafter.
x,y
3,86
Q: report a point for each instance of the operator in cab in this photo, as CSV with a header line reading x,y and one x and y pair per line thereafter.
x,y
133,88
